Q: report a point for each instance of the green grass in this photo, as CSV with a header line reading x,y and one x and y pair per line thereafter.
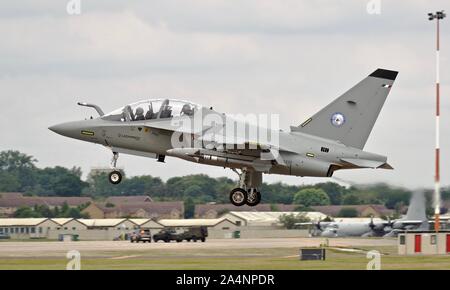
x,y
264,259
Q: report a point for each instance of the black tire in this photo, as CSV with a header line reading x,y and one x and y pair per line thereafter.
x,y
179,241
166,241
131,241
238,197
115,177
188,240
254,202
203,240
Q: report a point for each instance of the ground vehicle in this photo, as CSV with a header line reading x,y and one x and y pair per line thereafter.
x,y
167,235
188,234
195,233
141,236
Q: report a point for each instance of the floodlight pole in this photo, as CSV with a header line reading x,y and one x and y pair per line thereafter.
x,y
437,195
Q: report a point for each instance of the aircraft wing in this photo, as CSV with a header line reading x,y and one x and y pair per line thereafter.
x,y
243,146
213,137
409,222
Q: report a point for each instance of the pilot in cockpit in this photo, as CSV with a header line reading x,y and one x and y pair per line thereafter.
x,y
139,115
165,111
187,110
150,114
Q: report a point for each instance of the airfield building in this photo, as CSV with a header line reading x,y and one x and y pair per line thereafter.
x,y
424,243
93,229
17,228
267,219
210,211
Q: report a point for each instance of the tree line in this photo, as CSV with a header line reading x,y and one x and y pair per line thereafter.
x,y
39,211
19,173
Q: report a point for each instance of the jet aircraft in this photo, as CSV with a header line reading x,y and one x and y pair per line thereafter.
x,y
332,139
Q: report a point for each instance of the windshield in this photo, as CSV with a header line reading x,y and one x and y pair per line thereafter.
x,y
152,109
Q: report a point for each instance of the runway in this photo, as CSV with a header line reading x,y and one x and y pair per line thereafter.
x,y
29,249
215,254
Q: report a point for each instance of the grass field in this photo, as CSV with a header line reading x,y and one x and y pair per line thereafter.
x,y
234,259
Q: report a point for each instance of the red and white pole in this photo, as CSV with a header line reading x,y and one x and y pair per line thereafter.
x,y
437,179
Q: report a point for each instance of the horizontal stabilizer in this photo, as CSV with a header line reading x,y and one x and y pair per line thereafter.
x,y
365,163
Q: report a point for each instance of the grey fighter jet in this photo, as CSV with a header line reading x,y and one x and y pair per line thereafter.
x,y
332,139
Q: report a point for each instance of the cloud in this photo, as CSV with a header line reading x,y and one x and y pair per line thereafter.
x,y
286,57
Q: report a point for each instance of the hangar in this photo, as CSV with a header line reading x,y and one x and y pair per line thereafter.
x,y
267,219
25,228
195,222
267,224
93,229
232,224
69,224
217,228
147,223
108,224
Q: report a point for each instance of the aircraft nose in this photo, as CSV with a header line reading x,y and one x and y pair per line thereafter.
x,y
59,128
69,129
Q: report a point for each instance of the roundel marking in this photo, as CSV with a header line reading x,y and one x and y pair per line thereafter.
x,y
337,119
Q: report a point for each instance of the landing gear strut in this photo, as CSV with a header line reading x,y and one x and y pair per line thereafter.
x,y
247,192
115,177
253,197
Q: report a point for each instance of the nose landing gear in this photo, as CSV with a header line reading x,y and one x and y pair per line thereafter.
x,y
115,177
247,192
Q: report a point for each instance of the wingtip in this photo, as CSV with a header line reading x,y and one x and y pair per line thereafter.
x,y
384,74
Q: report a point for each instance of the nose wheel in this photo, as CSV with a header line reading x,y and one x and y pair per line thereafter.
x,y
115,177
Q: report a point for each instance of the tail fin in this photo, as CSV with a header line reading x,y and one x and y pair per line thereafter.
x,y
350,118
417,207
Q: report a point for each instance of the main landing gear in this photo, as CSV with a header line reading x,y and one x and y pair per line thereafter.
x,y
115,177
247,192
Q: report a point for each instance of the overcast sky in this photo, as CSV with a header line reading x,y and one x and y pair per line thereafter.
x,y
286,57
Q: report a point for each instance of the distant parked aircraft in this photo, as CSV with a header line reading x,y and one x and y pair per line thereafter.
x,y
415,219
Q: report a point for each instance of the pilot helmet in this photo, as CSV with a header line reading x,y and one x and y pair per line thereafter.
x,y
139,111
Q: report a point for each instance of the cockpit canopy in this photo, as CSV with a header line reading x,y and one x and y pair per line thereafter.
x,y
152,109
